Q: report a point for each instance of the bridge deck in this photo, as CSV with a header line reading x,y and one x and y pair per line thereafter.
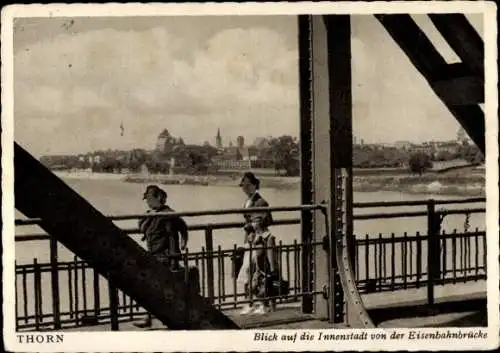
x,y
293,319
465,310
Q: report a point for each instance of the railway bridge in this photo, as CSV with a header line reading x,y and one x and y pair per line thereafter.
x,y
326,178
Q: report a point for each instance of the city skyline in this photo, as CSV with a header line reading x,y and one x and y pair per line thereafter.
x,y
228,142
193,74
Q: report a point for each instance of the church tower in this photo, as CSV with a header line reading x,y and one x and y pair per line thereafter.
x,y
218,139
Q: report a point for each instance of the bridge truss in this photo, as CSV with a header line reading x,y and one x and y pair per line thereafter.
x,y
326,144
326,134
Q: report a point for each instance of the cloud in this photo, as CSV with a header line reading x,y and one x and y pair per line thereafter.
x,y
245,81
50,99
254,66
392,100
88,83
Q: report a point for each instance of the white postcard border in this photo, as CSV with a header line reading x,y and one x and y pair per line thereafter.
x,y
243,340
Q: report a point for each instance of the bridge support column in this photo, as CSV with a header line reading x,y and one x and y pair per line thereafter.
x,y
306,175
326,92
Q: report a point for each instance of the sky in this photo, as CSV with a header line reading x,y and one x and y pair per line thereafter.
x,y
76,81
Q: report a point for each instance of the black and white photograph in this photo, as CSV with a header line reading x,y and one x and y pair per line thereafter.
x,y
313,177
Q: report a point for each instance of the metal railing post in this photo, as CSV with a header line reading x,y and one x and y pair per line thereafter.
x,y
113,306
209,242
433,249
54,276
37,289
97,294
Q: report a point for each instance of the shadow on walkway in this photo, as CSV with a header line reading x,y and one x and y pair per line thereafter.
x,y
458,313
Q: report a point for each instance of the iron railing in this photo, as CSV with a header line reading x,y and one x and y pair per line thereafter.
x,y
384,262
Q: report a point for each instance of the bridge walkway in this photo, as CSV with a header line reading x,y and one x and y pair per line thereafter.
x,y
467,309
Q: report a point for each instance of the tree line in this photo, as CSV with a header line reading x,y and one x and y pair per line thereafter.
x,y
281,153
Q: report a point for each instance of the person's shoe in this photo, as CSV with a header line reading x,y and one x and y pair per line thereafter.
x,y
246,310
261,310
143,324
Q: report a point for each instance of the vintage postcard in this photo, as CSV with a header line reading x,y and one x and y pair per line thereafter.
x,y
250,177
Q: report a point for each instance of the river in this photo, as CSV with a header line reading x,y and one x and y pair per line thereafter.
x,y
115,197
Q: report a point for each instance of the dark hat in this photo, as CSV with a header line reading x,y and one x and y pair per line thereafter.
x,y
251,178
154,189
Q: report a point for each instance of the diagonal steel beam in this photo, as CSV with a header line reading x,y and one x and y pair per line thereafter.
x,y
474,122
427,60
463,90
413,41
91,236
462,38
458,85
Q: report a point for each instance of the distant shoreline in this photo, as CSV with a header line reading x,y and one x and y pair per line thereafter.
x,y
462,182
443,185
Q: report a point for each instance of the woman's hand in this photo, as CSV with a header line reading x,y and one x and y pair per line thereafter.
x,y
250,238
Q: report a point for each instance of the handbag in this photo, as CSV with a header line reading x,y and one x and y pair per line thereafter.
x,y
271,285
277,286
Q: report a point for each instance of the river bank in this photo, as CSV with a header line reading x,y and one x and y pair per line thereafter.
x,y
467,182
463,185
456,183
